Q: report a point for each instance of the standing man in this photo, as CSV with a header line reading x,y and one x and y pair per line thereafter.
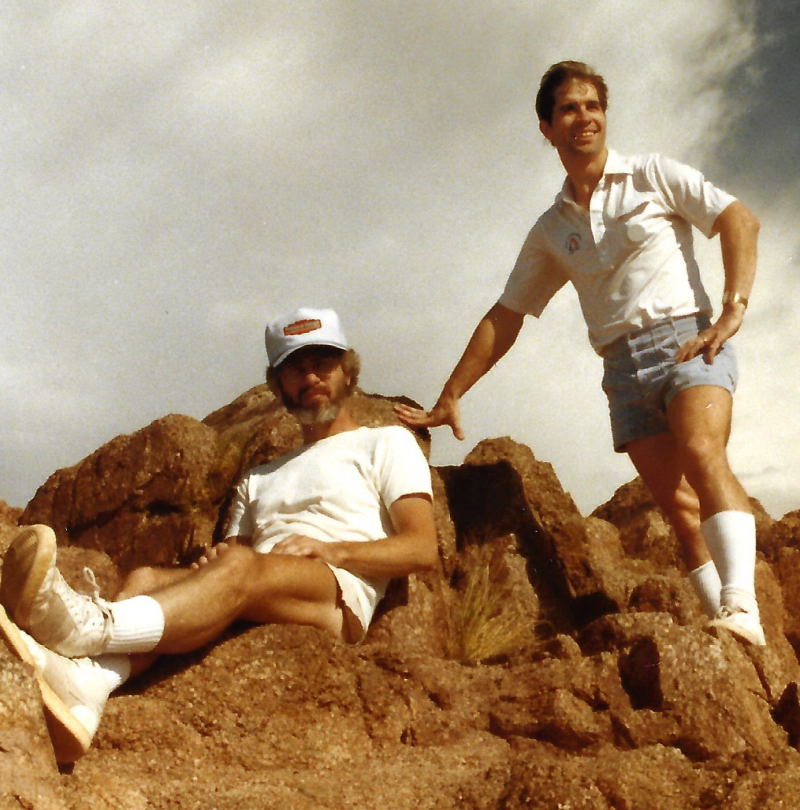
x,y
621,231
314,538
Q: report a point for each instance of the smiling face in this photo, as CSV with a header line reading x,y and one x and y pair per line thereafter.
x,y
577,126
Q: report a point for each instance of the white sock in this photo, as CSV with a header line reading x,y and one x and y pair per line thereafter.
x,y
137,627
116,669
707,586
731,540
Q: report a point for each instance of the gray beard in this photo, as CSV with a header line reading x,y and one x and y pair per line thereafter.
x,y
311,416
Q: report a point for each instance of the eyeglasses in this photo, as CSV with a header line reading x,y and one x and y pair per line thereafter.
x,y
301,367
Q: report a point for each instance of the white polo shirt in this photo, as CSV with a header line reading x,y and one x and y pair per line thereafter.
x,y
630,256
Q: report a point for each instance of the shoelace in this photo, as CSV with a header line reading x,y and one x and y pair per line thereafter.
x,y
89,576
101,603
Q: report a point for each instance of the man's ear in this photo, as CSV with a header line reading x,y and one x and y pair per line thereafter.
x,y
545,129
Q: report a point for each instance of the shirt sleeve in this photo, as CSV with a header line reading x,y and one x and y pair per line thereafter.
x,y
686,191
240,521
400,466
535,279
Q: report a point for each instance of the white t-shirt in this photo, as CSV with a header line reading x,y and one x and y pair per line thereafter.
x,y
336,489
630,256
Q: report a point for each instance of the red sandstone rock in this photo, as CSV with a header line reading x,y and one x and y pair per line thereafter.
x,y
551,661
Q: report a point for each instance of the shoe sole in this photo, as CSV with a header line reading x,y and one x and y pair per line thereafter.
x,y
69,738
25,566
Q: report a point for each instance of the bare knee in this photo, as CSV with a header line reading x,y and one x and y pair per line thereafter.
x,y
703,454
232,563
234,566
235,557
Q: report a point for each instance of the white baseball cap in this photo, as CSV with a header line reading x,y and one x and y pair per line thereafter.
x,y
303,327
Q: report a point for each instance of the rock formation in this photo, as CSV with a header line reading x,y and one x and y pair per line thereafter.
x,y
553,660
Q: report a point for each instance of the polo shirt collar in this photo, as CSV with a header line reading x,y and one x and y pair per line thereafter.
x,y
615,164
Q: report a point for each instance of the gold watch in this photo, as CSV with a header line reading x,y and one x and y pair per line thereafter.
x,y
729,297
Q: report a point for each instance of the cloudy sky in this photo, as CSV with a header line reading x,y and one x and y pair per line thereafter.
x,y
177,173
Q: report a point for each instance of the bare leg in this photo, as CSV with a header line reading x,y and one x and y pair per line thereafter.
x,y
658,462
694,452
700,420
199,604
148,580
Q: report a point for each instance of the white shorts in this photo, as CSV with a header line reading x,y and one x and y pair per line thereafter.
x,y
360,595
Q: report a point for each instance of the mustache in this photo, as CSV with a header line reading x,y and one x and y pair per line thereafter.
x,y
312,389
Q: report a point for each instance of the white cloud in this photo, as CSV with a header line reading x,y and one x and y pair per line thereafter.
x,y
177,174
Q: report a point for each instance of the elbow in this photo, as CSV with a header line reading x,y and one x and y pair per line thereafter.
x,y
749,221
429,558
431,562
738,217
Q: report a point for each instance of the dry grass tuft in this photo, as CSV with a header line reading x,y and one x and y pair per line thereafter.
x,y
489,620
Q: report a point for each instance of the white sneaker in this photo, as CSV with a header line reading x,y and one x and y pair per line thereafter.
x,y
39,600
74,691
742,623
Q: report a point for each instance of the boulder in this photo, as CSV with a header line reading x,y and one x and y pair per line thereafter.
x,y
28,772
551,659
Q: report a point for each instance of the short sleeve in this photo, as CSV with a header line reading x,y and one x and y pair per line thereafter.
x,y
687,192
400,466
535,279
240,521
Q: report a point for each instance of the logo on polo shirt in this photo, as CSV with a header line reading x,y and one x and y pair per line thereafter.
x,y
572,242
302,327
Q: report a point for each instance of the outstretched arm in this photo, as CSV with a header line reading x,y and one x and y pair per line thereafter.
x,y
493,337
738,233
411,548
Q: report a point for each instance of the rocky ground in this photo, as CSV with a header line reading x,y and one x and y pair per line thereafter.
x,y
553,660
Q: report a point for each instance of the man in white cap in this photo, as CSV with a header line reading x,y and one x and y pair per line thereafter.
x,y
314,538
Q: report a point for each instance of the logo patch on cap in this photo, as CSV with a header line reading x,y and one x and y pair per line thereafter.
x,y
302,327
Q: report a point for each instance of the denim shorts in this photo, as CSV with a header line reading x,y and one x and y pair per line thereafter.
x,y
641,376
